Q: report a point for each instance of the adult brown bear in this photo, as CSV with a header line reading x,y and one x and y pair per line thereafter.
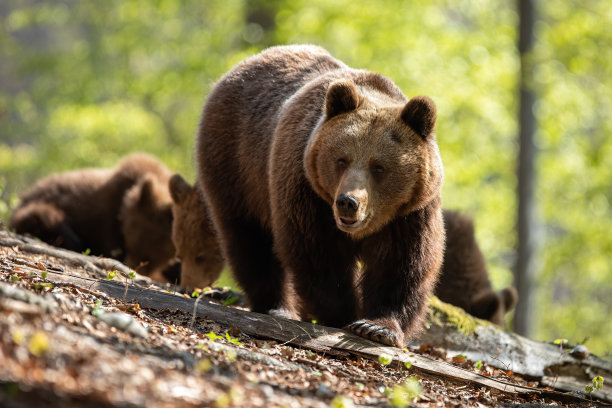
x,y
311,169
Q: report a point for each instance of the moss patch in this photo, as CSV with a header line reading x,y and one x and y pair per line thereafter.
x,y
445,314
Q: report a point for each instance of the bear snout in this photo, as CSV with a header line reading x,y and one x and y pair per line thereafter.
x,y
347,205
350,212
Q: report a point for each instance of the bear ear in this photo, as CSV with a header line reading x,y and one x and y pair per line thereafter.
x,y
341,97
420,114
147,192
179,188
488,306
510,297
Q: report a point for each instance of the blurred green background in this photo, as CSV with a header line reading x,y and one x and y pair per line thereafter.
x,y
84,83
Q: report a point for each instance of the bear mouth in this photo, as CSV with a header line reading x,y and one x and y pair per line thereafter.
x,y
349,224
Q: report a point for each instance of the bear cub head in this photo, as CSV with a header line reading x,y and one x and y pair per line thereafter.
x,y
193,235
371,158
146,222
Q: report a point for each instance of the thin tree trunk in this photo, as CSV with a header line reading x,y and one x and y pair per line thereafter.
x,y
524,268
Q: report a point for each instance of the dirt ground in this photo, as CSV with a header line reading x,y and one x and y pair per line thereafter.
x,y
63,345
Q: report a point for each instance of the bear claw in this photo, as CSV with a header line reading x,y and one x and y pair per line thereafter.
x,y
373,332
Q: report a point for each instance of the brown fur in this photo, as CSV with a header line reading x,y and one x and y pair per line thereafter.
x,y
289,141
146,223
464,281
194,237
79,210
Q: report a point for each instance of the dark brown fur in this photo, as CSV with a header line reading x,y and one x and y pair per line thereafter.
x,y
193,236
272,138
80,210
464,280
146,224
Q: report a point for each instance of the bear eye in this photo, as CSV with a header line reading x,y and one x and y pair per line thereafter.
x,y
342,163
378,169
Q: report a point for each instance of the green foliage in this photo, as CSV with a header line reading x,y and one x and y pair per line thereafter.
x,y
84,83
597,384
232,339
97,310
403,394
111,275
340,401
385,359
212,336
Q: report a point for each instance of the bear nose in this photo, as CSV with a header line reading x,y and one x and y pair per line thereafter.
x,y
347,204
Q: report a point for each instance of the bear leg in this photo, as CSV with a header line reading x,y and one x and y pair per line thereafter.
x,y
323,276
248,248
400,266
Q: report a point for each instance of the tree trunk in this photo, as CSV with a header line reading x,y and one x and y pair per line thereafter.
x,y
524,268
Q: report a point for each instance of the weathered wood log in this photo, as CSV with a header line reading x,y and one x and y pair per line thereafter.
x,y
459,333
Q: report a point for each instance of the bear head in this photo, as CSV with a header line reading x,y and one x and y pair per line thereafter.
x,y
193,235
146,224
47,222
373,158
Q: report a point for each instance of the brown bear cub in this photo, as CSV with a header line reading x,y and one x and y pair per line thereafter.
x,y
193,236
311,169
123,212
464,280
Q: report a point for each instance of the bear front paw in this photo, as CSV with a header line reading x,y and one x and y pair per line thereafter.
x,y
376,332
284,312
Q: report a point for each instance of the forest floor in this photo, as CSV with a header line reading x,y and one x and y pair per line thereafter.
x,y
64,344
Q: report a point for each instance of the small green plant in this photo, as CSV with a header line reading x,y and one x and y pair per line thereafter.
x,y
86,252
233,340
195,294
44,274
212,336
14,278
597,384
39,343
97,310
478,365
560,342
111,275
385,359
408,365
402,395
203,365
132,274
340,401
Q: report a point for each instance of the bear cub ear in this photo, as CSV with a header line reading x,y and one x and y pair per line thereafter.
x,y
341,97
147,191
420,114
179,188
